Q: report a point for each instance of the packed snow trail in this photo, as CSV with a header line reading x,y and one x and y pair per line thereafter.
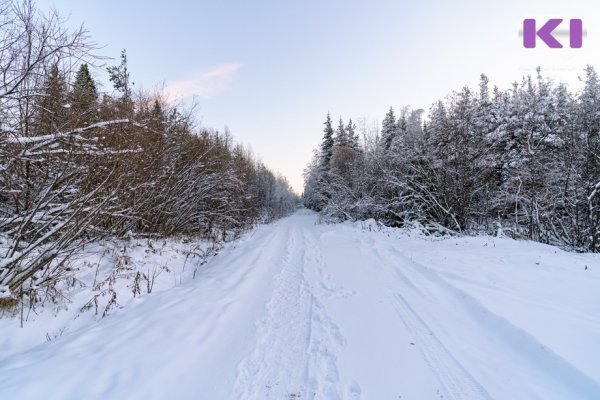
x,y
300,310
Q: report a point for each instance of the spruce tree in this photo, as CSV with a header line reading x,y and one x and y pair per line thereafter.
x,y
353,140
84,98
327,144
343,155
401,132
157,118
52,111
590,128
389,129
341,138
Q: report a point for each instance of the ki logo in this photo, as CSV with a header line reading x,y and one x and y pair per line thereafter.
x,y
547,33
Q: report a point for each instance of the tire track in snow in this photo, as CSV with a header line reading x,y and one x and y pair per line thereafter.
x,y
435,293
457,382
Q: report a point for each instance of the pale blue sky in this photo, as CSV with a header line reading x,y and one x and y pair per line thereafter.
x,y
271,70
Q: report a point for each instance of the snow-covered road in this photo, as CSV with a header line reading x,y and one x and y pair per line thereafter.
x,y
300,310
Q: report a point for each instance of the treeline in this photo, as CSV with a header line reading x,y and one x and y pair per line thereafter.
x,y
525,161
77,165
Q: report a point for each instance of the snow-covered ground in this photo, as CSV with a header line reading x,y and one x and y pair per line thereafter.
x,y
300,310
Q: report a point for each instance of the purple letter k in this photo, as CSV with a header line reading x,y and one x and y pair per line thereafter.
x,y
545,33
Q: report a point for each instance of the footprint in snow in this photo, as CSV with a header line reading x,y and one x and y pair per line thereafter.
x,y
354,391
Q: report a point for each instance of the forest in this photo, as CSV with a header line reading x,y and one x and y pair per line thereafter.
x,y
434,249
522,162
78,164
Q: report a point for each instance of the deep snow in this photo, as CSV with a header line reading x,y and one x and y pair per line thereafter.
x,y
300,310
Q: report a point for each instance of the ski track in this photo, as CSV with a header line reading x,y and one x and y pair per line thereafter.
x,y
296,331
275,313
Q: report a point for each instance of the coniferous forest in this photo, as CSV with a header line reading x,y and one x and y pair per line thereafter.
x,y
524,162
449,252
78,164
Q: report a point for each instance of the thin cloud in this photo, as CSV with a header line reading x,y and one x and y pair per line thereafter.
x,y
207,83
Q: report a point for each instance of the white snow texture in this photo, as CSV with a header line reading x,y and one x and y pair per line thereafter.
x,y
301,310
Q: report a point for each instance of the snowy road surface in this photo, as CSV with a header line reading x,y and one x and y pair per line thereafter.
x,y
300,310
